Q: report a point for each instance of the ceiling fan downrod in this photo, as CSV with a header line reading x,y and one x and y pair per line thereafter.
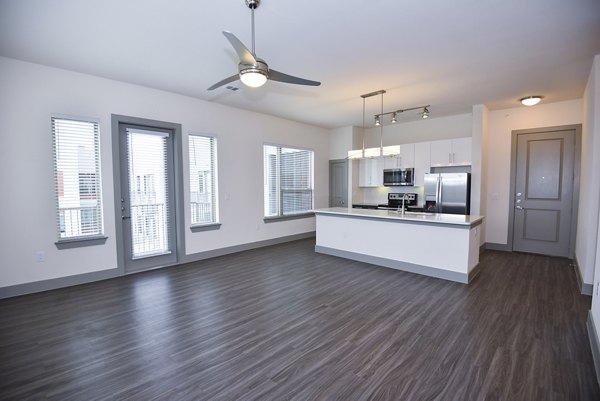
x,y
252,5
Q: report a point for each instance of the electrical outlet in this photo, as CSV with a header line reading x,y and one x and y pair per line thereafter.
x,y
40,256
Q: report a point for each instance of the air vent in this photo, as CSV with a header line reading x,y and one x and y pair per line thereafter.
x,y
231,88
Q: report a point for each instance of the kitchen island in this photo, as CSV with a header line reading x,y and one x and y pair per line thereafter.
x,y
438,245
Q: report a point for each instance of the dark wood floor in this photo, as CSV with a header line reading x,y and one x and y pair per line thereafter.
x,y
283,323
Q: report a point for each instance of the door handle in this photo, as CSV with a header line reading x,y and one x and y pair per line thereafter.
x,y
519,207
125,217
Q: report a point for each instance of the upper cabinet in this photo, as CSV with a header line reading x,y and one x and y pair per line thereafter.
x,y
370,172
406,158
421,156
407,155
422,162
461,151
451,152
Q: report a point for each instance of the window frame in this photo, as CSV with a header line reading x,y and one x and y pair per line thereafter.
x,y
77,241
280,216
215,224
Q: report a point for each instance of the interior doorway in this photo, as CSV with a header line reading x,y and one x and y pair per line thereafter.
x,y
544,190
338,183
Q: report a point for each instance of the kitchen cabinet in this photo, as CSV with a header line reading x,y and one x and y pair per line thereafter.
x,y
405,159
407,155
370,172
451,152
422,162
461,149
391,162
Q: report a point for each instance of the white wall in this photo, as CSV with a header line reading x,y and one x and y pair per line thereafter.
x,y
588,249
501,125
480,133
421,130
589,202
31,92
340,141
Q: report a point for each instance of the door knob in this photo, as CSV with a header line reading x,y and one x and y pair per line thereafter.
x,y
519,194
518,200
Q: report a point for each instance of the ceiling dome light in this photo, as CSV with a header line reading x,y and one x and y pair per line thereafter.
x,y
253,77
531,100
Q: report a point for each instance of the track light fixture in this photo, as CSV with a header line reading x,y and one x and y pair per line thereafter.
x,y
394,120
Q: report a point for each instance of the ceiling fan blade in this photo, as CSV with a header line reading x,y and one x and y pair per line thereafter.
x,y
241,50
290,79
225,81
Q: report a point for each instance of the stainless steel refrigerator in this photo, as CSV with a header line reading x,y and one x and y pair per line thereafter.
x,y
448,193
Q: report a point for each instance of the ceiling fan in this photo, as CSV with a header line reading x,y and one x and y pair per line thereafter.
x,y
254,71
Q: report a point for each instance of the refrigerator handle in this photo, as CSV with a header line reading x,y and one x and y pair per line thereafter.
x,y
438,201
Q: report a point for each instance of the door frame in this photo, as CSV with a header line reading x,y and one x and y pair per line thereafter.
x,y
346,166
116,121
576,174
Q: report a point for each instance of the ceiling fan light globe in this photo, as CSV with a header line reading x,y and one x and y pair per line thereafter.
x,y
253,79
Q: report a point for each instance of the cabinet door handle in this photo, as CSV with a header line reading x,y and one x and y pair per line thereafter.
x,y
449,157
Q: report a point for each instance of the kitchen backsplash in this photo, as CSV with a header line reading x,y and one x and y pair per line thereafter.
x,y
380,194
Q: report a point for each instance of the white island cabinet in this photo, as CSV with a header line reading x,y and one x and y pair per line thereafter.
x,y
445,246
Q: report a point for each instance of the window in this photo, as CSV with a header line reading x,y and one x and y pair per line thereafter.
x,y
288,181
77,178
203,179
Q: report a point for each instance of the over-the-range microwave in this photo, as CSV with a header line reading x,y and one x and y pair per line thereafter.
x,y
399,177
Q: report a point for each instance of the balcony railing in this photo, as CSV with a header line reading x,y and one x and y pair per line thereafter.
x,y
79,221
202,212
149,229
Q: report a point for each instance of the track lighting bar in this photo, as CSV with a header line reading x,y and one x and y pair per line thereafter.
x,y
396,112
379,92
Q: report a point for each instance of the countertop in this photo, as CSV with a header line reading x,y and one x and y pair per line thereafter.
x,y
466,221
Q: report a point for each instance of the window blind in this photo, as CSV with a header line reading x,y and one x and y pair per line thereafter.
x,y
288,180
203,179
77,178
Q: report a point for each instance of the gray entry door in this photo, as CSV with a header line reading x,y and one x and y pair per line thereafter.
x,y
338,183
147,196
544,192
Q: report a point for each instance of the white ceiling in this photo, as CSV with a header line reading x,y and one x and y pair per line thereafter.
x,y
450,54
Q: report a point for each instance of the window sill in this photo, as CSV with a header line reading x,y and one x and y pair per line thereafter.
x,y
272,219
80,242
205,227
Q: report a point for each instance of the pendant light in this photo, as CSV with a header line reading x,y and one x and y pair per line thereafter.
x,y
381,150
